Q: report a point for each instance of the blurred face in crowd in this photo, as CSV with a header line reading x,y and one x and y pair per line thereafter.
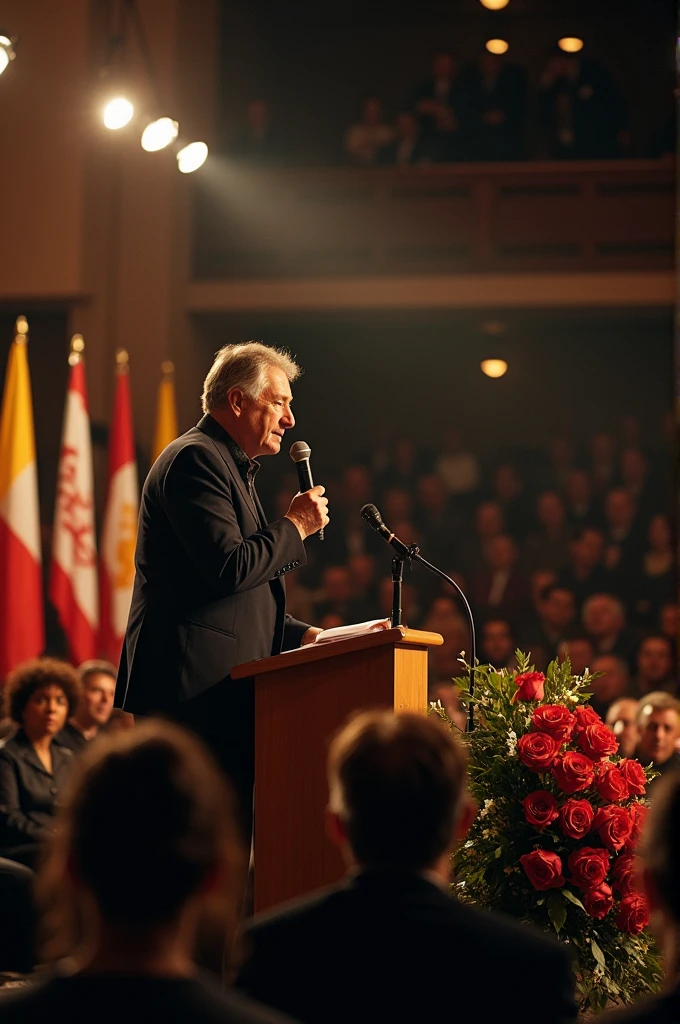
x,y
602,616
96,700
337,584
614,680
659,533
550,511
655,660
432,493
580,653
397,504
362,569
619,509
540,581
633,467
578,488
497,642
587,550
502,553
621,720
507,483
670,621
407,128
443,66
371,113
659,734
356,487
45,712
558,609
488,520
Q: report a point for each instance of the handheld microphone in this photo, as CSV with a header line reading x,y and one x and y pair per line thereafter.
x,y
300,453
374,520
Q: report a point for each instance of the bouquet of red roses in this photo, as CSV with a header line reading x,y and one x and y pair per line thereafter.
x,y
560,816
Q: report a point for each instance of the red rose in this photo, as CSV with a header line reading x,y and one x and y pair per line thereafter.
x,y
632,914
634,775
613,825
598,741
544,870
554,719
573,771
537,750
637,813
529,686
576,818
584,716
623,873
589,866
540,808
598,902
610,783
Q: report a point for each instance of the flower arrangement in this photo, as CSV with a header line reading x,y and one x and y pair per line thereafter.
x,y
560,815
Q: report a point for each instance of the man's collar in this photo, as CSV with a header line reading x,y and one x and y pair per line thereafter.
x,y
245,464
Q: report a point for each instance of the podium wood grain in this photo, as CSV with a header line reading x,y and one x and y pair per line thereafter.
x,y
301,698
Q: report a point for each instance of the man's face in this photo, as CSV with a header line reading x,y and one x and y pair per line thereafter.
x,y
96,700
264,420
579,652
659,735
559,609
613,681
601,617
497,642
655,661
621,720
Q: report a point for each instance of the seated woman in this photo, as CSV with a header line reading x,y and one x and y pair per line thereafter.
x,y
145,854
39,696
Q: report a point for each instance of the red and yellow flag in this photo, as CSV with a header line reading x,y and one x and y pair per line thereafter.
x,y
119,532
22,629
166,411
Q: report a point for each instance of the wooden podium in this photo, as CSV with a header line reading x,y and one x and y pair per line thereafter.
x,y
301,698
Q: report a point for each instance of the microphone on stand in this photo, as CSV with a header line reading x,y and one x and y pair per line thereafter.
x,y
300,453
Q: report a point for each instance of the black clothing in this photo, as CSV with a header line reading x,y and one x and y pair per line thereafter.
x,y
208,595
661,1009
377,947
29,796
671,765
599,581
17,934
72,738
110,999
505,93
581,116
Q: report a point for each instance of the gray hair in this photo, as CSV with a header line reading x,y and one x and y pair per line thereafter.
x,y
244,366
657,700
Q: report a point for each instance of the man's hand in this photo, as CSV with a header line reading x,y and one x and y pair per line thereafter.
x,y
310,635
309,511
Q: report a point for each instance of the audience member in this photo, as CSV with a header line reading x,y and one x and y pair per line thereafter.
x,y
95,704
658,722
488,524
38,695
659,875
503,587
548,547
655,666
657,583
17,930
585,575
580,651
556,614
582,509
448,695
258,140
458,467
498,645
623,541
604,619
440,106
408,147
509,491
397,808
146,851
622,720
669,618
495,106
365,139
602,462
613,683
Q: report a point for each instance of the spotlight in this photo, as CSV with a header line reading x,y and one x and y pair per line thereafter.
x,y
191,157
494,367
494,5
117,113
6,52
570,44
159,134
497,46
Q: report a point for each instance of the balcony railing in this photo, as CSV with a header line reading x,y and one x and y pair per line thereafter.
x,y
255,223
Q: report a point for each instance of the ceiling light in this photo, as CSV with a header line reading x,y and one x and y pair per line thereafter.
x,y
6,52
117,113
570,44
191,157
159,134
494,367
494,5
497,46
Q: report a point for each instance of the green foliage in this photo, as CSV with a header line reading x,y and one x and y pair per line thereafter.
x,y
611,965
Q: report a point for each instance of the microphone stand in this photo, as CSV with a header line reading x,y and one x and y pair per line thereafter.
x,y
414,555
397,579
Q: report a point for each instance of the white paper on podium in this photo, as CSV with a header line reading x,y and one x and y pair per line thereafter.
x,y
358,629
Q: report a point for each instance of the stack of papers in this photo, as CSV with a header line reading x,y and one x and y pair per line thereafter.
x,y
358,629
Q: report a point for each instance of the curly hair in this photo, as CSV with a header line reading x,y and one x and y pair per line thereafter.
x,y
24,680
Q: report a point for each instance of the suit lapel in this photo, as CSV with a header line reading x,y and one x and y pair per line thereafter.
x,y
212,429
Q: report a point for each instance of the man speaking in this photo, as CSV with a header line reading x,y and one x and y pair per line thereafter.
x,y
208,591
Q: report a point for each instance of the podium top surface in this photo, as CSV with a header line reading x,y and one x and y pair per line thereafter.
x,y
398,636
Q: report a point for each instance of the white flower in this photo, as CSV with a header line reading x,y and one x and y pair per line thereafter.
x,y
488,832
488,806
512,742
573,697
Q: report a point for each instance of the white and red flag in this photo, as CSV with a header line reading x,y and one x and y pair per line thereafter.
x,y
73,572
22,622
119,531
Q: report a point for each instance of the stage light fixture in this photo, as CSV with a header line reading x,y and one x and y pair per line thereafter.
x,y
494,367
497,46
117,113
494,5
159,133
191,157
570,44
6,52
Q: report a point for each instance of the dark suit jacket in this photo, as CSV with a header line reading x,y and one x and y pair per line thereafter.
x,y
392,946
208,592
28,793
661,1009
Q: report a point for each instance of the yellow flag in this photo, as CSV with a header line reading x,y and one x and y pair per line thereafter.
x,y
166,411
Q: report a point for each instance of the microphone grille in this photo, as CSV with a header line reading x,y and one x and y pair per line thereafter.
x,y
300,451
370,512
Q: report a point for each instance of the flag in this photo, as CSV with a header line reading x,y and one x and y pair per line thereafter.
x,y
166,411
119,531
73,572
22,625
